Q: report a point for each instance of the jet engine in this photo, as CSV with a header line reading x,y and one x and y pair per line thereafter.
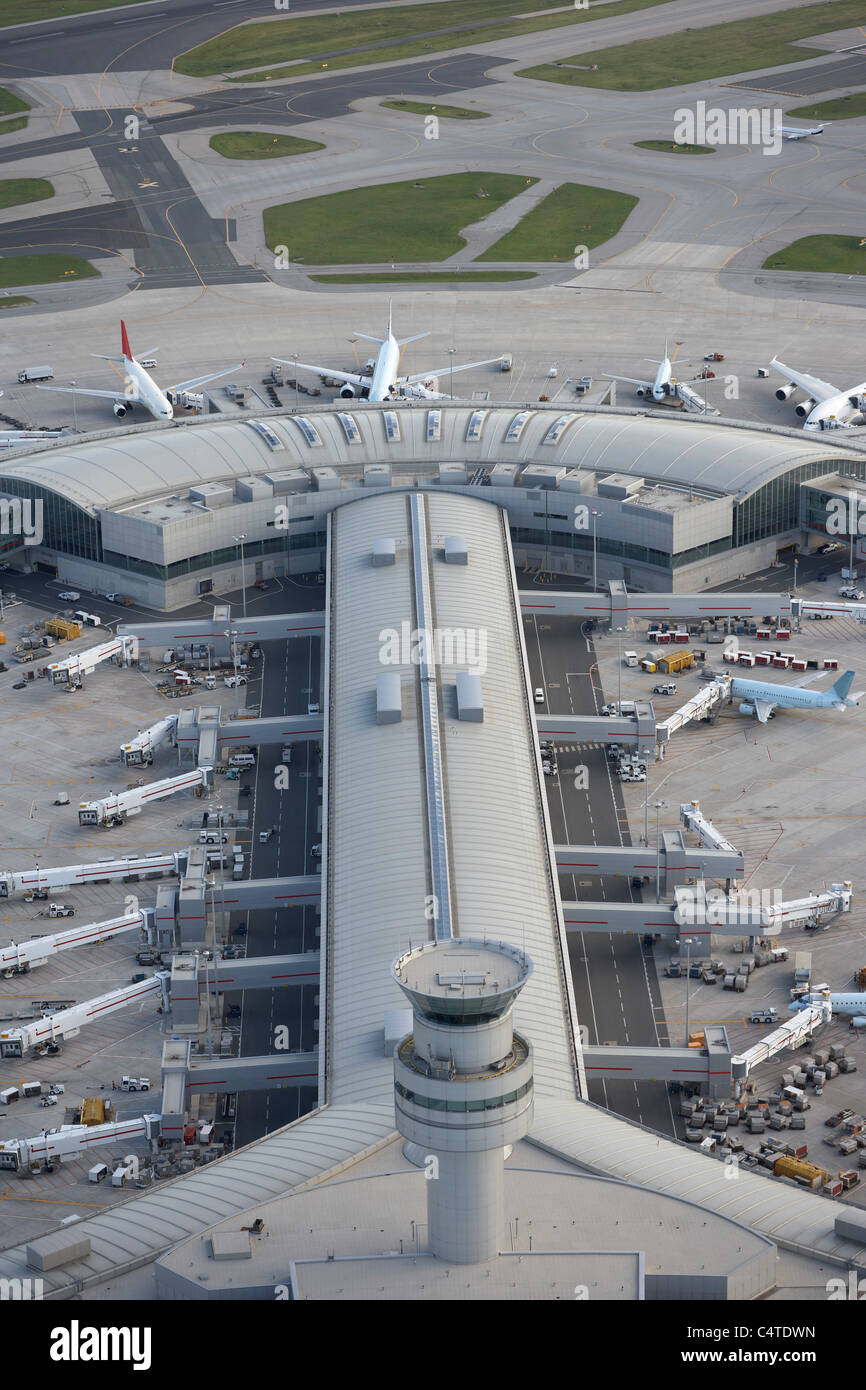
x,y
745,708
784,392
347,392
641,391
805,408
120,409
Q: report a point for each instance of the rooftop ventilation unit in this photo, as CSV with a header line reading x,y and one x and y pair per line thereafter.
x,y
470,701
384,551
456,552
389,698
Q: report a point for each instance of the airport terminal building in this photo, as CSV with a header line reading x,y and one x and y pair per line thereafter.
x,y
166,513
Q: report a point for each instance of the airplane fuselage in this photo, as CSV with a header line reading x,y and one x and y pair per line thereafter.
x,y
837,409
141,389
384,377
790,696
662,384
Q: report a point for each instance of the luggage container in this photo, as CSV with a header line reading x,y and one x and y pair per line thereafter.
x,y
98,1173
8,1096
30,1089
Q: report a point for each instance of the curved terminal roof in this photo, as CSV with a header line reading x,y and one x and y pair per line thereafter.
x,y
123,467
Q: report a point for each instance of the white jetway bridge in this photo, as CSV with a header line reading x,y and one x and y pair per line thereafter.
x,y
73,1141
103,871
37,951
115,808
67,1023
120,650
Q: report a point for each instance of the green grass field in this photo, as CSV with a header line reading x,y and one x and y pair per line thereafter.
x,y
450,113
834,255
15,191
839,109
407,31
695,55
42,269
15,301
416,276
671,147
17,123
252,144
388,222
571,215
10,104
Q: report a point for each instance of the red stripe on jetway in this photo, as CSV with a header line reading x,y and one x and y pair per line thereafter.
x,y
289,1076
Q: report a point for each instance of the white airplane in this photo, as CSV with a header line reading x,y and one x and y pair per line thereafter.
x,y
762,698
665,385
138,387
798,132
826,407
386,384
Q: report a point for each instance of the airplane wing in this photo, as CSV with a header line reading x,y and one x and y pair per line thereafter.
x,y
632,381
820,390
351,377
763,709
117,395
444,371
200,380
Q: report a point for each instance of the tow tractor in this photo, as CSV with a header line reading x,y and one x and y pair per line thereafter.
x,y
57,910
714,357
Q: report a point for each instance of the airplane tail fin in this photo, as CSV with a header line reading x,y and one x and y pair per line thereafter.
x,y
389,318
124,341
842,686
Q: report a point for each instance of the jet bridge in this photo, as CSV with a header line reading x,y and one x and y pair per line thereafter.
x,y
73,1141
708,1067
115,808
636,732
790,1034
677,860
700,913
693,819
140,750
121,650
183,1078
705,705
41,948
618,607
67,1023
103,871
273,627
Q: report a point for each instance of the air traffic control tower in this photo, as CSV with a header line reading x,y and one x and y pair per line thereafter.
x,y
463,1086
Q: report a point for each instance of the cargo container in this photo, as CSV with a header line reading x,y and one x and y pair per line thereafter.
x,y
802,967
674,662
806,1174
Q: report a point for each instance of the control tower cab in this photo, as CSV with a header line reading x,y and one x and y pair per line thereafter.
x,y
463,1086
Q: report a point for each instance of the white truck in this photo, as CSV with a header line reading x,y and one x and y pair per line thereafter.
x,y
36,374
135,1083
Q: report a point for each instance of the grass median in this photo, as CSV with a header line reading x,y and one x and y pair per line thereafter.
x,y
697,55
572,214
830,255
43,269
404,31
418,221
13,192
256,144
671,147
838,109
450,113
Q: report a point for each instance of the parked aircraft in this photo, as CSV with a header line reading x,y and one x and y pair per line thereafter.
x,y
386,383
665,385
138,387
762,698
825,407
852,1003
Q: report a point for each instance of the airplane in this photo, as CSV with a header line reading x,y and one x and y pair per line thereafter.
x,y
762,698
665,385
386,384
826,407
138,387
798,132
